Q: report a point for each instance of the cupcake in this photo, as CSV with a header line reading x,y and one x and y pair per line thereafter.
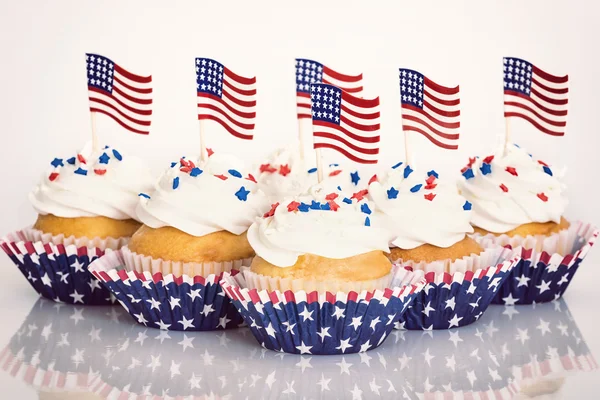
x,y
194,229
519,202
320,282
86,205
428,223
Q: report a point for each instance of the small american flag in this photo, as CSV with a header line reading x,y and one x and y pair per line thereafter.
x,y
430,109
536,96
226,98
116,92
309,72
345,123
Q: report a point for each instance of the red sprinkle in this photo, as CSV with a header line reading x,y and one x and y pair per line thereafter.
x,y
430,179
336,172
251,178
81,159
542,197
360,194
429,196
488,159
333,205
210,151
284,170
471,161
271,212
99,171
543,163
504,188
53,176
373,179
331,196
431,186
223,177
512,171
462,171
293,206
267,168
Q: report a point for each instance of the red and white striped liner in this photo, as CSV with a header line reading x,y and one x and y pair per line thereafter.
x,y
557,367
505,393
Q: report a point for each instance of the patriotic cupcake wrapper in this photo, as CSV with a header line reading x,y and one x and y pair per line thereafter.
x,y
543,274
451,300
321,323
169,302
57,267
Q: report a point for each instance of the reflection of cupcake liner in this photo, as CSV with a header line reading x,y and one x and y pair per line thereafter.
x,y
167,302
543,274
321,323
56,267
459,298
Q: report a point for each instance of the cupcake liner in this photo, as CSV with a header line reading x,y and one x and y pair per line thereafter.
x,y
543,274
321,322
458,297
168,302
56,267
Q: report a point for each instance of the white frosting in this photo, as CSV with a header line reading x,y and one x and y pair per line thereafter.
x,y
203,204
411,218
280,239
499,211
107,189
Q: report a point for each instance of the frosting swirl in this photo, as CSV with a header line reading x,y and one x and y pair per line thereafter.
x,y
419,209
512,190
320,223
90,184
204,198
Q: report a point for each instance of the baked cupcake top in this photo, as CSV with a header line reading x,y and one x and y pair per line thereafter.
x,y
512,190
322,223
91,184
418,208
200,199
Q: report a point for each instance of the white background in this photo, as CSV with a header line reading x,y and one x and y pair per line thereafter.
x,y
44,109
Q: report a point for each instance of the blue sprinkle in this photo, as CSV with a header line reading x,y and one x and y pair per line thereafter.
x,y
407,171
339,188
432,172
355,178
144,195
105,147
468,174
392,193
173,164
235,173
104,158
416,188
175,182
57,162
334,165
467,206
117,155
312,170
364,207
517,146
81,171
303,207
547,170
71,160
347,200
315,205
242,194
367,221
195,172
397,165
325,206
486,168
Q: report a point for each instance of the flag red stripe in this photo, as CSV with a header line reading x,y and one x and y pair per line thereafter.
x,y
304,116
229,107
356,114
132,88
439,111
339,138
560,113
341,77
133,77
348,155
126,106
237,101
356,125
564,90
449,125
454,102
556,102
130,98
119,121
364,139
347,90
537,114
431,138
358,102
534,123
250,92
550,77
226,126
121,113
439,88
303,94
238,78
303,105
449,136
227,116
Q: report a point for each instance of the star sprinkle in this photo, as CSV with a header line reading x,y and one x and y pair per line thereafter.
x,y
71,160
467,206
315,205
429,196
175,183
242,194
333,206
251,178
373,179
360,194
335,173
468,173
221,177
103,159
433,173
488,159
53,176
542,197
57,162
416,188
312,170
144,195
293,206
81,159
347,200
80,171
331,196
485,168
354,177
267,168
365,208
284,170
504,188
325,207
195,172
98,171
209,151
547,170
397,165
186,166
173,164
271,212
117,155
512,171
367,221
407,171
303,207
430,182
235,173
392,193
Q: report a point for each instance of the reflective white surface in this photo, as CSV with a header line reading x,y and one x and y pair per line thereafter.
x,y
55,351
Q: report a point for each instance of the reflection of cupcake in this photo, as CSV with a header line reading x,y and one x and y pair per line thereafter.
x,y
428,222
86,205
519,201
194,229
